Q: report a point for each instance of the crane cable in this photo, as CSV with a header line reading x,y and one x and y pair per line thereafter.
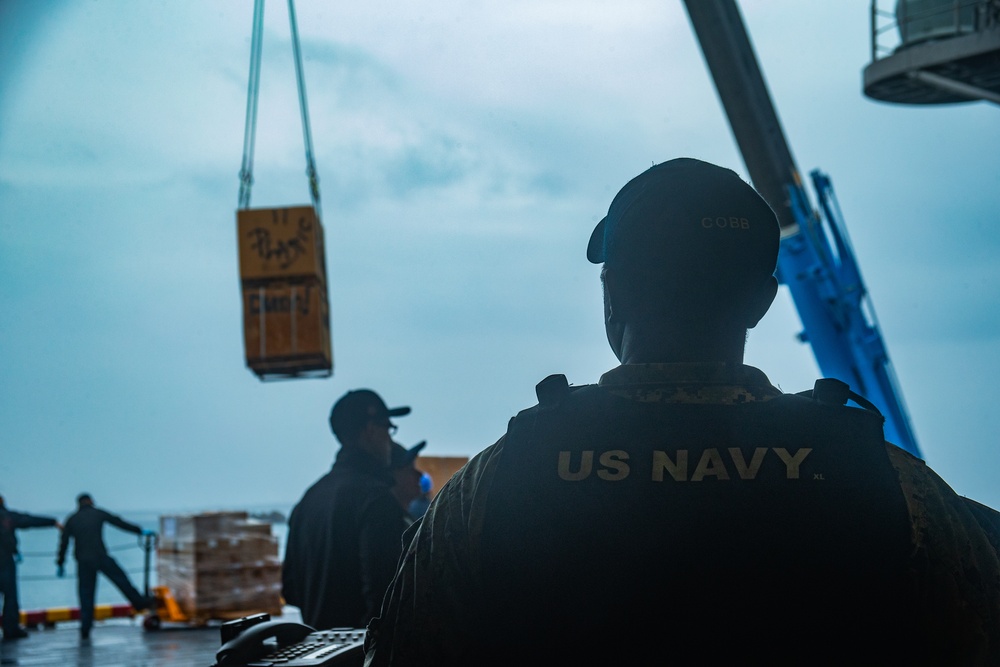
x,y
304,111
250,129
253,93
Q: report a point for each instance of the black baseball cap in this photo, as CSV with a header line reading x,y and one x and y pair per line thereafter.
x,y
687,215
356,408
403,457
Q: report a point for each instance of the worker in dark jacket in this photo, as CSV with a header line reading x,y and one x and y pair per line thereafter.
x,y
86,528
345,534
10,521
684,510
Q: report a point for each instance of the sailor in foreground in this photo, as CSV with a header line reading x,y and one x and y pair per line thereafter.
x,y
683,510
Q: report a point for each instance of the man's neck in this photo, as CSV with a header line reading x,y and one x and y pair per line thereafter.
x,y
644,347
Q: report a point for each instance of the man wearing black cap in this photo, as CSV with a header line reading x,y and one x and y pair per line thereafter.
x,y
683,510
345,534
86,528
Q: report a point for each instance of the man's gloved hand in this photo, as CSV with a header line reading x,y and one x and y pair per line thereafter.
x,y
148,533
18,557
60,570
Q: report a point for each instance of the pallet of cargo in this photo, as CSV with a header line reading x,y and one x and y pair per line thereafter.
x,y
215,566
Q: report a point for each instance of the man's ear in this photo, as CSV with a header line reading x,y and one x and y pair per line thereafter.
x,y
367,434
761,301
605,294
613,301
614,324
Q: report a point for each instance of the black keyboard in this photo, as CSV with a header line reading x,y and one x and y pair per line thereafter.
x,y
323,648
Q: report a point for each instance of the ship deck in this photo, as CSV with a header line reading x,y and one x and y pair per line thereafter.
x,y
120,642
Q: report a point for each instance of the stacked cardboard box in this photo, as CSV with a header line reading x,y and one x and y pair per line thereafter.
x,y
219,564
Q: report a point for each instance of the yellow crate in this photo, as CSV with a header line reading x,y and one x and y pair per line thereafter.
x,y
286,328
277,243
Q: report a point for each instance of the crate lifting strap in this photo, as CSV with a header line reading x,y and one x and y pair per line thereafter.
x,y
253,93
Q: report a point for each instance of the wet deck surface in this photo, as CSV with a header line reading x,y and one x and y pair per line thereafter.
x,y
118,643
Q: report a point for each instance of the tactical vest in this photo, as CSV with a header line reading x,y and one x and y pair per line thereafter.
x,y
687,530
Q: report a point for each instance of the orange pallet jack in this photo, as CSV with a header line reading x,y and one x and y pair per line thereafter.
x,y
165,607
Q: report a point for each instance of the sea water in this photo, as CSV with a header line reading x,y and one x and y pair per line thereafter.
x,y
40,588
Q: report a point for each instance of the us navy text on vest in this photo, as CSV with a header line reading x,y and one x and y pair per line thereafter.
x,y
613,464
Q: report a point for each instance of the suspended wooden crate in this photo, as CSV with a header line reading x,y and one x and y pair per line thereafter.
x,y
286,313
286,329
280,244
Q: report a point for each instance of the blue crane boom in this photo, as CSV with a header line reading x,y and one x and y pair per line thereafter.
x,y
816,261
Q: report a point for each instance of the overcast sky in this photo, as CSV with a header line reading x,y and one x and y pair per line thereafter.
x,y
465,151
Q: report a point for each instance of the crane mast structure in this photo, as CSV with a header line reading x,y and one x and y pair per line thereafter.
x,y
815,260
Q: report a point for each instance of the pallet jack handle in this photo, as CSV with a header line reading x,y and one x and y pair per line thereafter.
x,y
148,545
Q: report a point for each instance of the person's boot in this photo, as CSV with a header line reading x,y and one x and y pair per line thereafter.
x,y
16,633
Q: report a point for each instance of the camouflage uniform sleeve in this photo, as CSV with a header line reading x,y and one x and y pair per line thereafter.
x,y
426,618
954,562
988,518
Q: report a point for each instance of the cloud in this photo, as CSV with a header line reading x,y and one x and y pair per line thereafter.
x,y
465,152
